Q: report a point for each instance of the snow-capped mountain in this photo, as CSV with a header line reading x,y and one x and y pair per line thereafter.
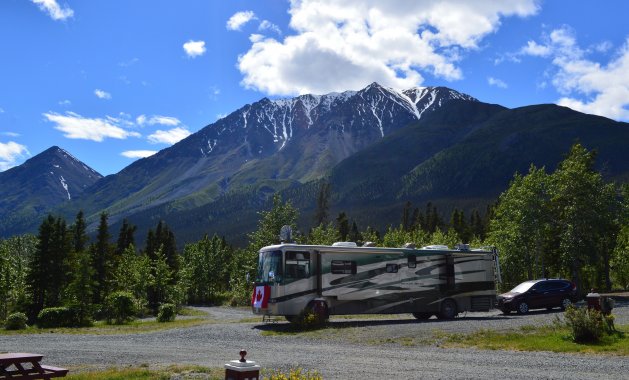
x,y
295,139
378,148
373,111
42,182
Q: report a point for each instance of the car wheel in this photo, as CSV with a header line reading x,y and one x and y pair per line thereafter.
x,y
565,303
448,309
523,308
422,316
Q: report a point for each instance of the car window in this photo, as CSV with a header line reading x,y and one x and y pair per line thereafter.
x,y
523,287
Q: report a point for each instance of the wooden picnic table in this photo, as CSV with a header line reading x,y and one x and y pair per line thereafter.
x,y
20,365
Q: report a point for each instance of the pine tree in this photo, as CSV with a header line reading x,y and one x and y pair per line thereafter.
x,y
406,216
323,200
342,224
102,259
79,234
47,276
125,237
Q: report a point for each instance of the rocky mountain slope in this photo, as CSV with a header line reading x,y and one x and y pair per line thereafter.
x,y
48,179
377,147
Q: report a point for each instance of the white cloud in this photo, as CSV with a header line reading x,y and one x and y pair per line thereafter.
x,y
138,153
535,49
65,102
268,25
54,10
157,120
128,63
1,110
140,120
10,153
239,19
102,94
586,85
171,136
10,134
75,126
496,82
194,48
346,45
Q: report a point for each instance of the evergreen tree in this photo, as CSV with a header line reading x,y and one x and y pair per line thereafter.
x,y
125,237
323,204
342,224
79,234
102,258
79,293
47,275
406,216
354,234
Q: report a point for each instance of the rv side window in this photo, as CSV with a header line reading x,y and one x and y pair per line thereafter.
x,y
343,267
391,268
412,261
297,266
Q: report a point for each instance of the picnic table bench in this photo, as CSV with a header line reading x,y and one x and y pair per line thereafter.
x,y
25,366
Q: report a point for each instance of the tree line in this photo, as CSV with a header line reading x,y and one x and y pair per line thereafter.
x,y
569,223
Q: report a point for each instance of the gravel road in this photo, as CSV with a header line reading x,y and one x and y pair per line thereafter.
x,y
357,349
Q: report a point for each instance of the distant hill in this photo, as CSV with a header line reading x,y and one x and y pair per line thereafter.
x,y
43,182
377,147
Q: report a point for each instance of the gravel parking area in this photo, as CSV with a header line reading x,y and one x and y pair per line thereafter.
x,y
345,353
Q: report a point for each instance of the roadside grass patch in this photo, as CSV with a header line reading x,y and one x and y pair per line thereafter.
x,y
528,338
102,328
143,373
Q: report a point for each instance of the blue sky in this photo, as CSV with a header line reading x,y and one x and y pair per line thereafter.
x,y
114,80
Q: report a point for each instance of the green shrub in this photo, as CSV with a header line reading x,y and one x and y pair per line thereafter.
x,y
54,317
588,325
16,321
167,313
119,308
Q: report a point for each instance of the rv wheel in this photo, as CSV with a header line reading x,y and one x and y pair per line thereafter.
x,y
448,309
320,309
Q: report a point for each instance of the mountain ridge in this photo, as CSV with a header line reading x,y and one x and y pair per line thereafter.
x,y
378,148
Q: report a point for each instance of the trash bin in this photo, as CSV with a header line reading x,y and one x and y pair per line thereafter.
x,y
593,300
607,305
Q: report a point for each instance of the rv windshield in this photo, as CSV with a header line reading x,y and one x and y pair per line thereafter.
x,y
270,266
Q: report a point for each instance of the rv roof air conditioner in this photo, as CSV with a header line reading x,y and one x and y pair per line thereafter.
x,y
344,244
436,246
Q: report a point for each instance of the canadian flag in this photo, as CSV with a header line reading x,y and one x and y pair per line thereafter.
x,y
261,294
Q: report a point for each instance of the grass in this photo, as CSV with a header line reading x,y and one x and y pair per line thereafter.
x,y
529,338
144,373
101,328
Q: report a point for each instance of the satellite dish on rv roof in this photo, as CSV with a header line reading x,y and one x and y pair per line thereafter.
x,y
286,234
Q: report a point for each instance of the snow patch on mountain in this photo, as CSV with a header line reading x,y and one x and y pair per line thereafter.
x,y
65,186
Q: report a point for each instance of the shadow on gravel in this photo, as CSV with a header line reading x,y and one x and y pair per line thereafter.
x,y
291,328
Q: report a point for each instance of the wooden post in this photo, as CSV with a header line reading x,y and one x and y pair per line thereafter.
x,y
242,369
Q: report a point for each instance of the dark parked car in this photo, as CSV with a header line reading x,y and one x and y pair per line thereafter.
x,y
538,294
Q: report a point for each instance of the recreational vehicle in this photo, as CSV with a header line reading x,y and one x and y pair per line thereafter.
x,y
346,279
